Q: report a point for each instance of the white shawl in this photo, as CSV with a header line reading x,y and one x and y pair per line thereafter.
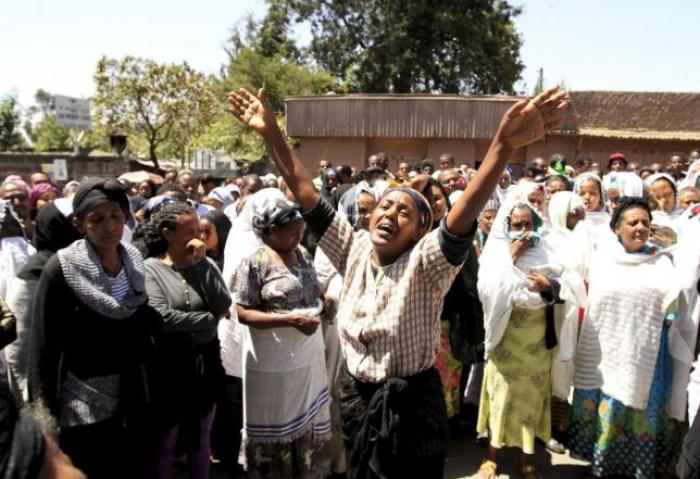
x,y
503,285
619,343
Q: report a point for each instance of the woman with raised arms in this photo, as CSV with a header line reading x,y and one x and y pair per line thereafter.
x,y
395,279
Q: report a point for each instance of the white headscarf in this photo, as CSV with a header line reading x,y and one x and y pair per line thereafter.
x,y
588,176
560,205
691,176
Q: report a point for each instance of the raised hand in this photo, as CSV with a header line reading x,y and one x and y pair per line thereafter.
x,y
256,112
529,120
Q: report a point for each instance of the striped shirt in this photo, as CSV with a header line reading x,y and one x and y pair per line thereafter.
x,y
389,321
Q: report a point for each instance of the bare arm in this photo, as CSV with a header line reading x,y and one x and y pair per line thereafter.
x,y
257,113
524,123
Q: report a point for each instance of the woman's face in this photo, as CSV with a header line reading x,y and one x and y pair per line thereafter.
x,y
145,190
663,193
633,229
613,198
285,238
207,233
438,203
590,194
103,225
486,221
556,186
536,199
365,206
394,226
186,230
521,219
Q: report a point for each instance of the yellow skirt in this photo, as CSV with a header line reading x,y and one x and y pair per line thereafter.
x,y
515,397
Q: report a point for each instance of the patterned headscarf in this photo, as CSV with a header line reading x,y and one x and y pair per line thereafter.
x,y
277,212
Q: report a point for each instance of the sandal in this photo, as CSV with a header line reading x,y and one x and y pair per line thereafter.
x,y
488,469
530,472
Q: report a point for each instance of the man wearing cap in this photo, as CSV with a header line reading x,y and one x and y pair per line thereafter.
x,y
617,162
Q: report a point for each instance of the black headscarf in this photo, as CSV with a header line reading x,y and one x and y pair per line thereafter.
x,y
94,192
627,203
53,231
223,226
21,440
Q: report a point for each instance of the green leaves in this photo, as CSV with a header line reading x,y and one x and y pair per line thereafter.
x,y
163,105
421,46
9,123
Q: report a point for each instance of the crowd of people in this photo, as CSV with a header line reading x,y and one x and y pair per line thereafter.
x,y
348,324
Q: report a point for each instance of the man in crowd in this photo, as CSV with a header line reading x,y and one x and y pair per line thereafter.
x,y
208,184
634,167
446,161
16,193
188,182
402,174
38,177
675,167
450,180
318,181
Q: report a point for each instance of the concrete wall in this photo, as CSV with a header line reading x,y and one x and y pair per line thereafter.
x,y
78,167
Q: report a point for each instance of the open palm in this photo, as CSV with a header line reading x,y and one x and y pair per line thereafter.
x,y
529,120
256,112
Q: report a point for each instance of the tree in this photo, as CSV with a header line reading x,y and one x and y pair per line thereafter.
x,y
447,46
48,136
261,54
9,121
157,103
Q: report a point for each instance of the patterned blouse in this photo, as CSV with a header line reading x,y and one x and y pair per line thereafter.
x,y
261,283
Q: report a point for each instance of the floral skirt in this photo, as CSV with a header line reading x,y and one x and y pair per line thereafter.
x,y
450,370
620,440
306,457
516,394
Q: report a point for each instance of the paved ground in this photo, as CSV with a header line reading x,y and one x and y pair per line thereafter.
x,y
466,456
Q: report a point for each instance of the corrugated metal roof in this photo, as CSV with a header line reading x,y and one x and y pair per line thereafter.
x,y
640,134
396,116
633,115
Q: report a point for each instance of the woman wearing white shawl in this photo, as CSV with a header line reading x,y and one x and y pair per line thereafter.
x,y
568,241
623,366
516,284
663,200
285,387
590,188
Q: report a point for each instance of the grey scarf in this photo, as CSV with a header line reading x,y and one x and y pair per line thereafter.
x,y
86,277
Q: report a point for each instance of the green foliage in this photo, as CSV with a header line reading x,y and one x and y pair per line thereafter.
x,y
9,123
48,136
261,55
162,106
447,46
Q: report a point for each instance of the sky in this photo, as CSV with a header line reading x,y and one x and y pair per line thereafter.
x,y
639,45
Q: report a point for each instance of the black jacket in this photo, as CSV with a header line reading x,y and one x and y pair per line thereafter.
x,y
67,335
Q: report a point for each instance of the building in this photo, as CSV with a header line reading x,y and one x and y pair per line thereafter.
x,y
347,129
